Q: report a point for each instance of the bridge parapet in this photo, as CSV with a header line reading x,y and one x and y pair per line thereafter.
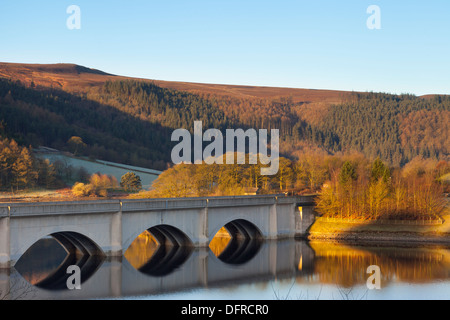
x,y
182,204
240,201
162,204
203,202
306,200
61,208
142,205
286,200
110,206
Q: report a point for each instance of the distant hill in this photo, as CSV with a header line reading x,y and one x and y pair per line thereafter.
x,y
130,120
72,77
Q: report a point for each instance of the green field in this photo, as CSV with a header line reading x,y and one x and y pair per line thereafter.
x,y
105,167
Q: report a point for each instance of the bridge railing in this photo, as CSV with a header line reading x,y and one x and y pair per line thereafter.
x,y
162,204
69,207
230,202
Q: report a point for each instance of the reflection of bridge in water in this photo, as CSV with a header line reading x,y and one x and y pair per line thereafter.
x,y
201,269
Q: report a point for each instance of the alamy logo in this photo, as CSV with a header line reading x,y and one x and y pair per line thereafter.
x,y
374,280
74,20
374,20
213,152
74,280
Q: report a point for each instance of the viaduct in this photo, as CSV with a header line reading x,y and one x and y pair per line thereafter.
x,y
108,227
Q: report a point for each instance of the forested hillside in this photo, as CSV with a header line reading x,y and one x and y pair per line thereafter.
x,y
130,121
51,117
394,128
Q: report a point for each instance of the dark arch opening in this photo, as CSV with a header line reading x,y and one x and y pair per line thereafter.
x,y
243,244
78,244
45,263
164,248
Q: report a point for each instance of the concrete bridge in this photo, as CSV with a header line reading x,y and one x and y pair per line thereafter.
x,y
109,226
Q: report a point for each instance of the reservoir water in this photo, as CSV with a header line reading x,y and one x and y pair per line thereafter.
x,y
269,270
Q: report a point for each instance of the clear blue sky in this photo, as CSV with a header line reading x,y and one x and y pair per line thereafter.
x,y
323,44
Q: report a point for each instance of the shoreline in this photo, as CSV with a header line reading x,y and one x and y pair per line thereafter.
x,y
381,238
351,232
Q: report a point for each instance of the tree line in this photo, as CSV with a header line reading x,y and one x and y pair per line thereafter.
x,y
372,191
101,185
348,186
19,169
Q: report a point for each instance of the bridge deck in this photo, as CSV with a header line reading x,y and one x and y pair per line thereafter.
x,y
129,205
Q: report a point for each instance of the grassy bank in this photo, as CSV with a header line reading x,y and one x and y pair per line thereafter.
x,y
371,231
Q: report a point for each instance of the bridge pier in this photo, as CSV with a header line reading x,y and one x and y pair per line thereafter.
x,y
116,249
5,245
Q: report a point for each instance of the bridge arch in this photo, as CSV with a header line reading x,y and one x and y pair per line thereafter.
x,y
79,250
76,243
72,242
241,228
81,242
164,234
252,226
164,247
244,244
169,233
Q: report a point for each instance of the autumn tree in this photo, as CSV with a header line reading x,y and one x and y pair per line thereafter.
x,y
19,169
23,170
98,186
76,143
347,174
47,176
285,173
131,182
312,170
380,171
175,182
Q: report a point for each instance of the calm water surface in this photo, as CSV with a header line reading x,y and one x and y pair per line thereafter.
x,y
289,269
